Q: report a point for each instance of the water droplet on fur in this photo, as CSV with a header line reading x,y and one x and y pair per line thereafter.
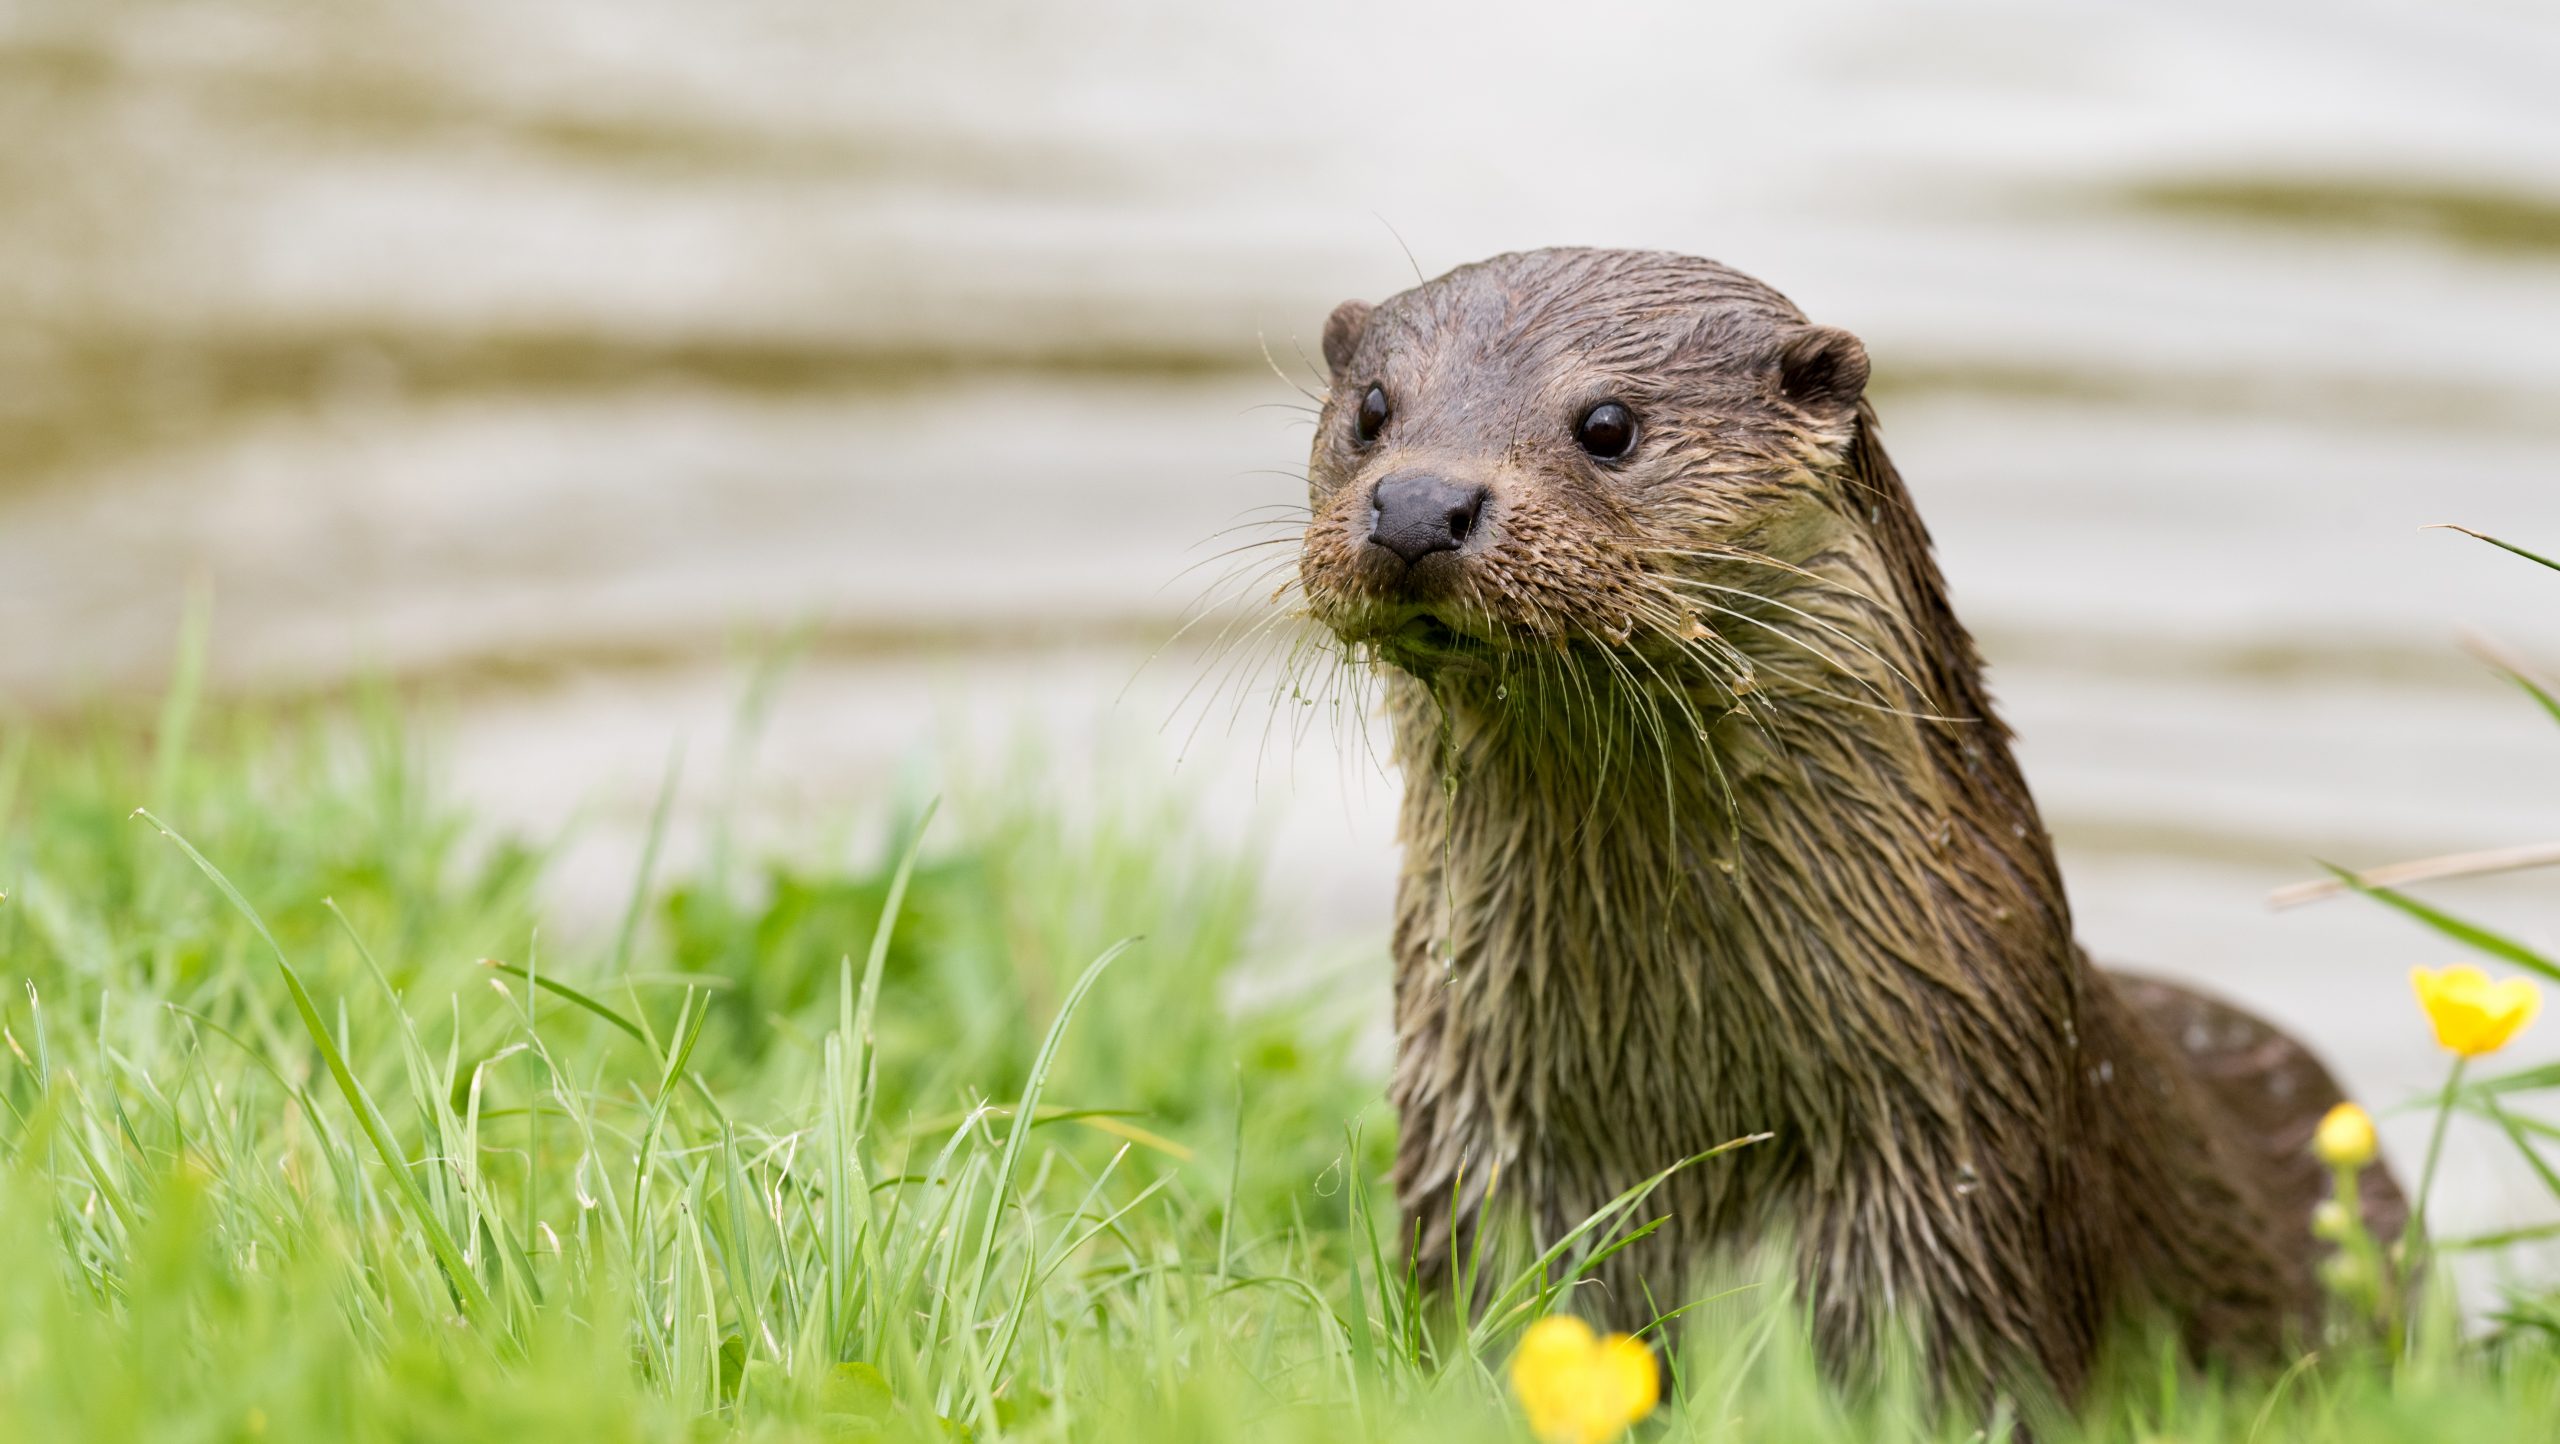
x,y
1966,1180
2105,1072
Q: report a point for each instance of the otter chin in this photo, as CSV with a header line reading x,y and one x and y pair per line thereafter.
x,y
1711,830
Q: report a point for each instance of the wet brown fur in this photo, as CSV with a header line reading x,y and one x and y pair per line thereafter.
x,y
1710,829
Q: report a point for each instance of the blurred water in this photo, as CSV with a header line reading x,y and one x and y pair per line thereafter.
x,y
538,352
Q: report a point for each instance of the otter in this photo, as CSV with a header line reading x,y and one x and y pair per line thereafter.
x,y
1710,829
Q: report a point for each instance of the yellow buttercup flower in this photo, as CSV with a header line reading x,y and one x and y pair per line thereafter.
x,y
2345,1138
1580,1388
2471,1014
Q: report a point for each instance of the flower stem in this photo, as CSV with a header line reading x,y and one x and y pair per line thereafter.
x,y
2413,1236
2435,1152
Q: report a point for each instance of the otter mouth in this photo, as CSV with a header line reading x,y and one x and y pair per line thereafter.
x,y
1423,642
1427,633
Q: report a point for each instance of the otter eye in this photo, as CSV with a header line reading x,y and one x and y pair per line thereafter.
x,y
1372,418
1608,431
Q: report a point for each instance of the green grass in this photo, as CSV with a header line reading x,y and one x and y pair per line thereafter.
x,y
281,1156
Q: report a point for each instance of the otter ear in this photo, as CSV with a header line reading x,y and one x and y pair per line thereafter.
x,y
1823,369
1342,334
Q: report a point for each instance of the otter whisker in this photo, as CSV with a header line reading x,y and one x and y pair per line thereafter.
x,y
1732,670
1882,708
1880,659
1347,701
1744,684
1286,684
1671,618
1228,669
1741,554
1304,360
1649,713
1265,343
1281,689
1826,659
1298,511
1697,731
1886,662
1230,553
1227,650
1281,625
1211,602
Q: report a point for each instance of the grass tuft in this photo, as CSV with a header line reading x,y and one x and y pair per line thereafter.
x,y
302,1137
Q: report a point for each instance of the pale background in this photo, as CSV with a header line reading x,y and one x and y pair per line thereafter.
x,y
538,351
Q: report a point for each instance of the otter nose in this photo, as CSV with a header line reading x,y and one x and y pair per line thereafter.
x,y
1414,514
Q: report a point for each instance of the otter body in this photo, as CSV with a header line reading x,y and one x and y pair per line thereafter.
x,y
1710,830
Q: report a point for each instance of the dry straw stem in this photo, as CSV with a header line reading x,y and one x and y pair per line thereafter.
x,y
2424,869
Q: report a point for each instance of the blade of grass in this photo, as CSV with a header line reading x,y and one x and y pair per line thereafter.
x,y
1108,1121
688,1032
620,959
1037,1273
2507,1238
850,1063
743,1262
100,1181
2523,1080
857,1022
466,1287
1026,1115
1529,1280
435,1110
2470,935
1360,1345
517,1266
2524,1145
2533,689
1235,1180
573,996
2495,542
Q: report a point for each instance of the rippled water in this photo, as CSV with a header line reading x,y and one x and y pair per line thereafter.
x,y
540,351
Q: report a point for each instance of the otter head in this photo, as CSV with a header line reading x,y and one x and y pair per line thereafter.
x,y
1572,449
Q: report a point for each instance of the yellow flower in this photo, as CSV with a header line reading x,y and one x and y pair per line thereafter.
x,y
2472,1015
1579,1388
2345,1138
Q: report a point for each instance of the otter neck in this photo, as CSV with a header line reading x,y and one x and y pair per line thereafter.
x,y
1639,920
